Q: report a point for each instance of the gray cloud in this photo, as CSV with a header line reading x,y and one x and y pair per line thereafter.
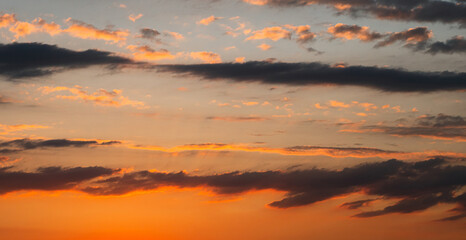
x,y
315,73
23,60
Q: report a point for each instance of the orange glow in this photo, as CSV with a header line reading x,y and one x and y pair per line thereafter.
x,y
101,97
145,53
302,151
208,20
86,31
264,47
272,33
207,57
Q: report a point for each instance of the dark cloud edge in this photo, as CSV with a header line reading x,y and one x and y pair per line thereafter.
x,y
38,60
416,186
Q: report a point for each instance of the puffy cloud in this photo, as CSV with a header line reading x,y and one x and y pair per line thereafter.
x,y
315,73
350,32
304,33
7,20
148,33
272,33
207,57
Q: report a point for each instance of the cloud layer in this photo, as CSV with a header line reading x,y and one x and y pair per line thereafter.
x,y
315,73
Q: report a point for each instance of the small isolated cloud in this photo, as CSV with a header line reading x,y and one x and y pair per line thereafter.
x,y
208,20
133,17
350,32
264,47
148,33
101,97
272,33
207,57
175,35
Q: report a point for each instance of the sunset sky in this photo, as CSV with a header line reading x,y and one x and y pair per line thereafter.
x,y
240,119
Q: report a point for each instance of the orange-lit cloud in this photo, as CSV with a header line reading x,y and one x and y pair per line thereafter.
x,y
264,47
208,20
86,31
240,59
350,32
133,17
145,53
272,33
336,152
256,2
8,129
101,97
7,20
207,57
304,33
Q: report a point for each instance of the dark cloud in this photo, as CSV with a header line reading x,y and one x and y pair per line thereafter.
x,y
49,178
148,33
401,10
315,73
18,145
412,37
23,60
419,185
415,185
456,44
357,204
442,126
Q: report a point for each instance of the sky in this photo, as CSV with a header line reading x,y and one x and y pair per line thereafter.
x,y
240,119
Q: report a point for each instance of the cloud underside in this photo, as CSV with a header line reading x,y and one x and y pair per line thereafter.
x,y
417,10
22,60
415,186
315,73
18,145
